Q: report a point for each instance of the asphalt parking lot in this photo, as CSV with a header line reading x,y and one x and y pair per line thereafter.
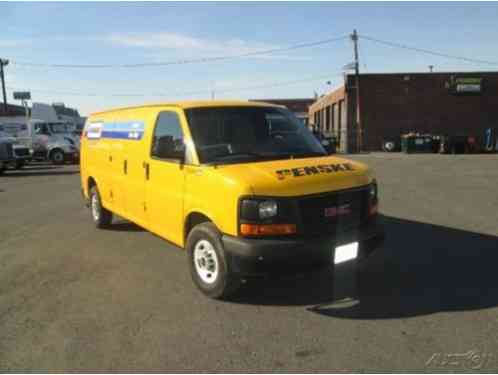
x,y
74,298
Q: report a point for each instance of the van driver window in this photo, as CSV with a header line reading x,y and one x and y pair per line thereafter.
x,y
167,142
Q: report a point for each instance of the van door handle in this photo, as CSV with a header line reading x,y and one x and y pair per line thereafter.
x,y
147,170
125,167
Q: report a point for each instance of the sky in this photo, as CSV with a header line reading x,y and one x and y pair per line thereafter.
x,y
120,33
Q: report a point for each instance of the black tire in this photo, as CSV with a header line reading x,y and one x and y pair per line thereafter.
x,y
57,157
2,169
225,282
101,217
19,164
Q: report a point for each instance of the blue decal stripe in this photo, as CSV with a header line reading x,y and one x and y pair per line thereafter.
x,y
131,130
135,136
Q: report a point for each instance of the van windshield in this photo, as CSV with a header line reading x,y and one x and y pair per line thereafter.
x,y
235,134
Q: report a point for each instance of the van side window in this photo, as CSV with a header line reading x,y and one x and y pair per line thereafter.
x,y
167,141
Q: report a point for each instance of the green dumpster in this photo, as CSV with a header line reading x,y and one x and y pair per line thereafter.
x,y
416,143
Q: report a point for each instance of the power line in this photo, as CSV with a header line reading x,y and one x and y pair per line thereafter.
x,y
185,61
280,84
185,93
97,94
429,52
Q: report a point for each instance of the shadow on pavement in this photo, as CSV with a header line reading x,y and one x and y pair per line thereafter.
x,y
124,226
421,269
34,172
40,167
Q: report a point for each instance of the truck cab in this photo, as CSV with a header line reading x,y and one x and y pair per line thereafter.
x,y
54,141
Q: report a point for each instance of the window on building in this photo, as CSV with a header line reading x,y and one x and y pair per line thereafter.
x,y
327,119
339,121
322,122
332,118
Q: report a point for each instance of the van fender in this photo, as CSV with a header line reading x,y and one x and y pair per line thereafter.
x,y
196,216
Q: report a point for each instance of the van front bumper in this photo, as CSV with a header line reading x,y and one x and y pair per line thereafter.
x,y
254,257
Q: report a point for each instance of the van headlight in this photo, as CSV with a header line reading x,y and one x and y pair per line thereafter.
x,y
373,201
267,209
373,190
258,209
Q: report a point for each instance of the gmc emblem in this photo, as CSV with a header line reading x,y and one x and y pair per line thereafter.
x,y
345,209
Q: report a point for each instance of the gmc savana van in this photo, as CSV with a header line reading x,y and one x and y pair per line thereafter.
x,y
244,187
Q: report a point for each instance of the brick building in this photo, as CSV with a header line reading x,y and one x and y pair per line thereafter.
x,y
392,104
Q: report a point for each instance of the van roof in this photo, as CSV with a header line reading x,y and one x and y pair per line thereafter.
x,y
196,104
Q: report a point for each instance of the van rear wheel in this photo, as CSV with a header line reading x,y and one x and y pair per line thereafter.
x,y
208,265
101,216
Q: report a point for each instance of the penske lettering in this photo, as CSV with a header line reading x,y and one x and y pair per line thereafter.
x,y
314,169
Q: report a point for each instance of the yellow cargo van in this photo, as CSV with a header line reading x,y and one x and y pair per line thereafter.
x,y
244,187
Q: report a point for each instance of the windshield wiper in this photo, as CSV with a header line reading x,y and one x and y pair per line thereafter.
x,y
298,155
250,155
253,155
238,154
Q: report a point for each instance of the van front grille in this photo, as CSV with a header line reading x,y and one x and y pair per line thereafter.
x,y
335,212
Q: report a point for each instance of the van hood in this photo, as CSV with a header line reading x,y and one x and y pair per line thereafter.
x,y
295,177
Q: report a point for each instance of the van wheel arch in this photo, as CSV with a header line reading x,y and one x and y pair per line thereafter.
x,y
91,183
193,219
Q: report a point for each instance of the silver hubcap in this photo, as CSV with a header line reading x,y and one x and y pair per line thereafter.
x,y
58,156
95,207
206,261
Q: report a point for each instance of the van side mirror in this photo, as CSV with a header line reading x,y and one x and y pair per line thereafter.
x,y
329,144
166,147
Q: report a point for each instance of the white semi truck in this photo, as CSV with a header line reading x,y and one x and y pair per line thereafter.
x,y
54,141
41,140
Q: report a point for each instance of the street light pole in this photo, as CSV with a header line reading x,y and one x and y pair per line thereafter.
x,y
359,138
3,62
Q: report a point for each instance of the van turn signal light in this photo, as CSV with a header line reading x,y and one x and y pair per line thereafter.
x,y
267,229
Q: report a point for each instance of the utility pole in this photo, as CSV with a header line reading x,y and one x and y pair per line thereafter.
x,y
359,130
3,62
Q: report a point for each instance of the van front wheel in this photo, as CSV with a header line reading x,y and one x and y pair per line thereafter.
x,y
209,268
100,215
